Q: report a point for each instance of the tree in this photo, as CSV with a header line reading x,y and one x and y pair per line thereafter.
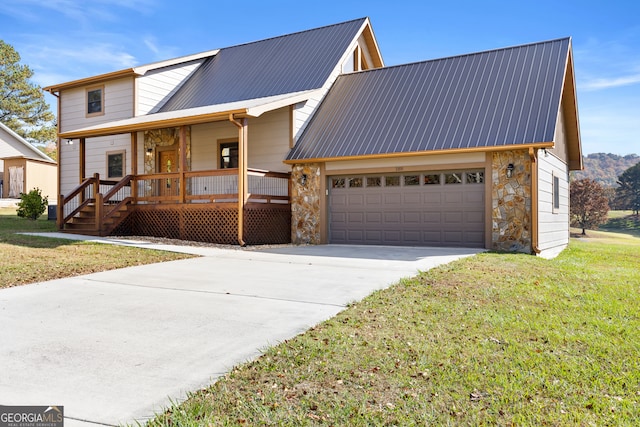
x,y
22,104
628,192
589,204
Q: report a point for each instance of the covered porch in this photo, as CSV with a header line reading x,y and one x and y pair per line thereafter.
x,y
180,181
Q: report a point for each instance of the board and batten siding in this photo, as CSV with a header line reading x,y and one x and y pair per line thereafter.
x,y
118,105
155,87
553,224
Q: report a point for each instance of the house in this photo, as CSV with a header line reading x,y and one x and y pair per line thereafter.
x,y
23,167
309,138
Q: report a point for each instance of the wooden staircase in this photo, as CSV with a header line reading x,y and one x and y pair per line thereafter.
x,y
94,213
85,220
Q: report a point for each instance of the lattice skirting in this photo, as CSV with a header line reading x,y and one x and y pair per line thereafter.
x,y
263,223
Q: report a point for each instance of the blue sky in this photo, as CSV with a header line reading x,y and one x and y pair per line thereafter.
x,y
63,40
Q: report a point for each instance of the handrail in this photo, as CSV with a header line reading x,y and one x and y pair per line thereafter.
x,y
64,200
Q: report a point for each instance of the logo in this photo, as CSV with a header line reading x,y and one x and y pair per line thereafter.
x,y
31,416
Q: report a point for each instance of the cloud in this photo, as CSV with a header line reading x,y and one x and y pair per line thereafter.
x,y
606,83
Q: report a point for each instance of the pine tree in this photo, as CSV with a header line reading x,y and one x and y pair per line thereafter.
x,y
23,107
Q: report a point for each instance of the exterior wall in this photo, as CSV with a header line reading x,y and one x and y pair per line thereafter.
x,y
560,137
306,215
269,141
553,225
118,104
204,143
511,202
69,163
156,86
43,176
8,163
10,147
399,163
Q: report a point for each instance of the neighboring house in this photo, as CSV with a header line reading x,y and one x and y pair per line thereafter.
x,y
23,167
309,138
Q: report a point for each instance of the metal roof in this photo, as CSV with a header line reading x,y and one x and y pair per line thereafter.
x,y
501,97
291,63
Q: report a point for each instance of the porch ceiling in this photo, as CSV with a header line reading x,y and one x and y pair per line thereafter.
x,y
210,113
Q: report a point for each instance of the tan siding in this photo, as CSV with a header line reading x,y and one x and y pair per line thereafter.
x,y
204,143
69,167
118,104
560,138
401,162
97,149
155,87
553,227
43,176
269,141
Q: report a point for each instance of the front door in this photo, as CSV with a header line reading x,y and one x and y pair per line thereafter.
x,y
168,164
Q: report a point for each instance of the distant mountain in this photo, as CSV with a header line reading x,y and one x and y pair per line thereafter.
x,y
605,168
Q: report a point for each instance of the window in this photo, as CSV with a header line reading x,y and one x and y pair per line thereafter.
x,y
95,101
337,183
430,179
411,180
355,182
374,181
453,178
392,181
228,155
556,194
475,177
115,164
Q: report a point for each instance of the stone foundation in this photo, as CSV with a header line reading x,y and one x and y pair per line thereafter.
x,y
511,202
305,204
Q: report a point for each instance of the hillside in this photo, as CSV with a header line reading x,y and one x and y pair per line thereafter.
x,y
605,167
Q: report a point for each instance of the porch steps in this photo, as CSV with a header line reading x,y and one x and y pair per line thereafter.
x,y
85,221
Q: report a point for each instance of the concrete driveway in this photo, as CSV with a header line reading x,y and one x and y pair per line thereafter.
x,y
117,346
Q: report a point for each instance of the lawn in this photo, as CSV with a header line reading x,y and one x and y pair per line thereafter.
x,y
497,339
622,222
28,259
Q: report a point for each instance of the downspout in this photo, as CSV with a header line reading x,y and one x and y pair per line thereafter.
x,y
533,155
242,173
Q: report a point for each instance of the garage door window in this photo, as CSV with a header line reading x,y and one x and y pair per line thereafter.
x,y
392,181
411,180
355,182
431,179
374,181
337,183
453,178
475,177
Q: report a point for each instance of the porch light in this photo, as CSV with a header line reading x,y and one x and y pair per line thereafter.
x,y
149,152
510,170
69,141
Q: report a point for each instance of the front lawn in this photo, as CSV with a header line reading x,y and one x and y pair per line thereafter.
x,y
28,259
495,339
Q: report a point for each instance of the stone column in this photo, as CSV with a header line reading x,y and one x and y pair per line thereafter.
x,y
511,202
305,204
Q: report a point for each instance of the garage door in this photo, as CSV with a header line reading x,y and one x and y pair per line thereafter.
x,y
419,209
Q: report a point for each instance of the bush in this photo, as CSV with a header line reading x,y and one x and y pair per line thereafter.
x,y
32,204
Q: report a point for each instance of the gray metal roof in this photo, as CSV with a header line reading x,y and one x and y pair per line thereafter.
x,y
494,98
286,64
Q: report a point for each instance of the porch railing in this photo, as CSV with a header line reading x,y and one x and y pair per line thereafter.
x,y
107,198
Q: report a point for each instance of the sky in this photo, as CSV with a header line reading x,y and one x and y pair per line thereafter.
x,y
63,40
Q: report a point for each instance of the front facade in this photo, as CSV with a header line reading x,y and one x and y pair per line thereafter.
x,y
308,138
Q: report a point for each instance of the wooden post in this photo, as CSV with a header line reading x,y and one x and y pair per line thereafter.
x,y
60,212
96,186
82,164
242,174
134,165
183,162
99,209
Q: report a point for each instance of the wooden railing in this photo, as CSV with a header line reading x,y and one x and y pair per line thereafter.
x,y
212,186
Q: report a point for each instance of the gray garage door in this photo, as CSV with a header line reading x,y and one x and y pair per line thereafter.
x,y
419,209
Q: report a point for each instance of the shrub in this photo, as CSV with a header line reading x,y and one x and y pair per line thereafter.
x,y
32,204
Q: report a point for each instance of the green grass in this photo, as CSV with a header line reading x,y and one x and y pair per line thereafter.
x,y
28,259
622,222
496,339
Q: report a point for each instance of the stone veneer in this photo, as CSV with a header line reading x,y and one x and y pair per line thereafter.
x,y
163,138
305,204
511,202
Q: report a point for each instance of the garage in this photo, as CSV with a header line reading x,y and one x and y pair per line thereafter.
x,y
438,208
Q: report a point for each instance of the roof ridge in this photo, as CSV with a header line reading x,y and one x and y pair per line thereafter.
x,y
295,33
482,52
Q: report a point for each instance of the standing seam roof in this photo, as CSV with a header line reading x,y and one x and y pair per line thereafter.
x,y
285,64
501,97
